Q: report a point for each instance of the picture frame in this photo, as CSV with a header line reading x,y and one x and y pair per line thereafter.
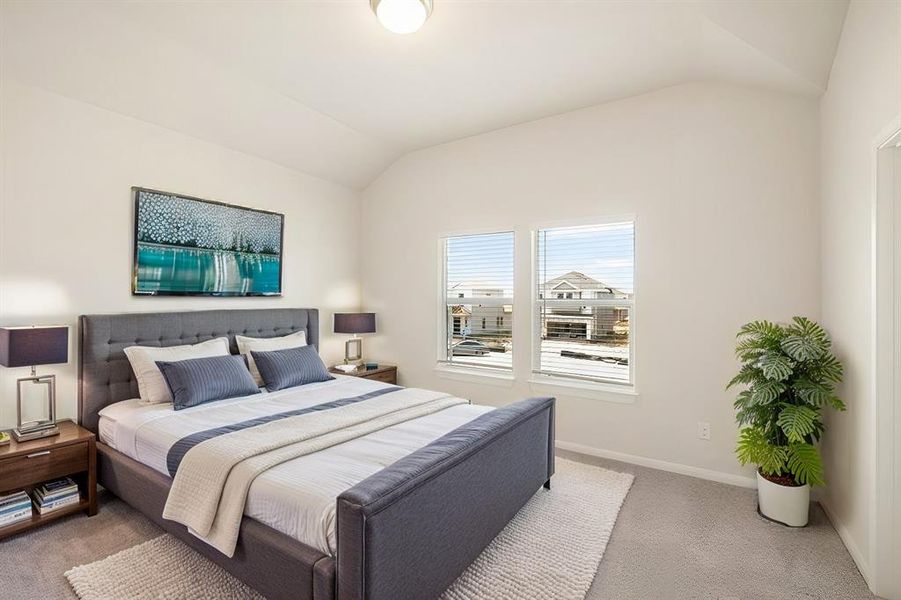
x,y
189,246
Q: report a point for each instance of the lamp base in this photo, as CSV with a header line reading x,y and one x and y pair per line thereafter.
x,y
39,428
353,351
35,434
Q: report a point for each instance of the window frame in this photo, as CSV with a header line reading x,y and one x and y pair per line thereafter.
x,y
573,382
443,363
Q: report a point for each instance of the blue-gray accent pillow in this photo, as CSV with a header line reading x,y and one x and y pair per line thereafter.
x,y
291,367
198,380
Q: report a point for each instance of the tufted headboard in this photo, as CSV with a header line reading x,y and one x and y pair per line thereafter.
x,y
105,375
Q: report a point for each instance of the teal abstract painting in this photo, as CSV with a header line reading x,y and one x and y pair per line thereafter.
x,y
189,246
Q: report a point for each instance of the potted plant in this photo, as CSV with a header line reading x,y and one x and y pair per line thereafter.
x,y
789,373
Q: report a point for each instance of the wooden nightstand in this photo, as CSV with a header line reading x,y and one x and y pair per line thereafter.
x,y
72,453
386,373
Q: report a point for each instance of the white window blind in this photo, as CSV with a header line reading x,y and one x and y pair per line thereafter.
x,y
478,301
584,302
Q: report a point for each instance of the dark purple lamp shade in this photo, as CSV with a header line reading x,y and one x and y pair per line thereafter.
x,y
31,346
354,322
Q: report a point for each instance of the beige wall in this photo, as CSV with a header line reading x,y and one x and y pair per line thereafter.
x,y
863,98
723,183
66,220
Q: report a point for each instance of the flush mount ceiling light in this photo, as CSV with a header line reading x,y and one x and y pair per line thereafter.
x,y
401,16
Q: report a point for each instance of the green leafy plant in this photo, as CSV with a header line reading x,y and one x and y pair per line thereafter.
x,y
789,374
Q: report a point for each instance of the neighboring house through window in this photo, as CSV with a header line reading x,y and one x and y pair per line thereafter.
x,y
478,301
585,302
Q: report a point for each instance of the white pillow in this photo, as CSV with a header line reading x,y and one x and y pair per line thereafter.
x,y
246,344
151,384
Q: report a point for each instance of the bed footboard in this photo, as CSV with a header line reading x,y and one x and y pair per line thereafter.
x,y
407,532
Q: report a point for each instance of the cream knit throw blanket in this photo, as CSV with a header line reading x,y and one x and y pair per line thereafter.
x,y
210,488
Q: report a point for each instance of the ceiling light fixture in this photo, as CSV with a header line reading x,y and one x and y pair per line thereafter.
x,y
401,16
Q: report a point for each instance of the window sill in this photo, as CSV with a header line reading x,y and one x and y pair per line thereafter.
x,y
474,375
622,394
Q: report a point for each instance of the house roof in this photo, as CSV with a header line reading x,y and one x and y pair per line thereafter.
x,y
579,281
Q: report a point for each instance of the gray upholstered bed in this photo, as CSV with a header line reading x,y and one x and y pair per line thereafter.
x,y
404,533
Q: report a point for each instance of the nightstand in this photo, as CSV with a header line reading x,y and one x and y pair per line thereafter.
x,y
386,373
72,453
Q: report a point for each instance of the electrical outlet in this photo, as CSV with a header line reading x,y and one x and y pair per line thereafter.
x,y
704,430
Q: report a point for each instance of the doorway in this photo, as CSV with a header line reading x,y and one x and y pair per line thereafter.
x,y
885,526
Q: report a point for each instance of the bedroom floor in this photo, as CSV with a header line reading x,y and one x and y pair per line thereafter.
x,y
676,537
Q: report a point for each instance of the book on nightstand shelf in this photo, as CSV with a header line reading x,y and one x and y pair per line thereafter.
x,y
14,507
55,494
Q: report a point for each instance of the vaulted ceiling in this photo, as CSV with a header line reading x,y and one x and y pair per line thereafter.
x,y
321,87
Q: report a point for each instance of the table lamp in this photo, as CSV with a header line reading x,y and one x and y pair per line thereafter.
x,y
354,323
29,347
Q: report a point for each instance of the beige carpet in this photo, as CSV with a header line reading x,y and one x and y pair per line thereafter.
x,y
551,549
675,537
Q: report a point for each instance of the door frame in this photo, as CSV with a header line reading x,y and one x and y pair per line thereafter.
x,y
885,500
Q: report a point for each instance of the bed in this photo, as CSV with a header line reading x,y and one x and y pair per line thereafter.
x,y
425,498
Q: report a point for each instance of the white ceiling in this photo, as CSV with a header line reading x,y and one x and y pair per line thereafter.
x,y
320,87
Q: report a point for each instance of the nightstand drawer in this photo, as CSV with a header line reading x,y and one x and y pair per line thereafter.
x,y
384,373
386,376
41,465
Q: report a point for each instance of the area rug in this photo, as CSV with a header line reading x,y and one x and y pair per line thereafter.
x,y
551,549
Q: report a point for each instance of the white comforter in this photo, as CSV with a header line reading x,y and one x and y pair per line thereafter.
x,y
298,496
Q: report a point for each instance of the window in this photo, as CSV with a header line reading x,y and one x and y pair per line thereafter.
x,y
478,301
585,302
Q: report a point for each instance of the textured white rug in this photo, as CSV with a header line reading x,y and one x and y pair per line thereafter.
x,y
551,549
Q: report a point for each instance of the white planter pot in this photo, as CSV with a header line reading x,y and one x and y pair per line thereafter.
x,y
781,503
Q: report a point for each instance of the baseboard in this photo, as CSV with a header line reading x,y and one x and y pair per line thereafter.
x,y
862,565
653,463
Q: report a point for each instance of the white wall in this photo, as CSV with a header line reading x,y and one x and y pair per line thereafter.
x,y
723,181
863,98
66,220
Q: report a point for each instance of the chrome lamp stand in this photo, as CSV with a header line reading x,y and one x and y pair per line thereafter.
x,y
41,428
353,351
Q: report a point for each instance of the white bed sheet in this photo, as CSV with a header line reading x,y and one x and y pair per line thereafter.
x,y
298,497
